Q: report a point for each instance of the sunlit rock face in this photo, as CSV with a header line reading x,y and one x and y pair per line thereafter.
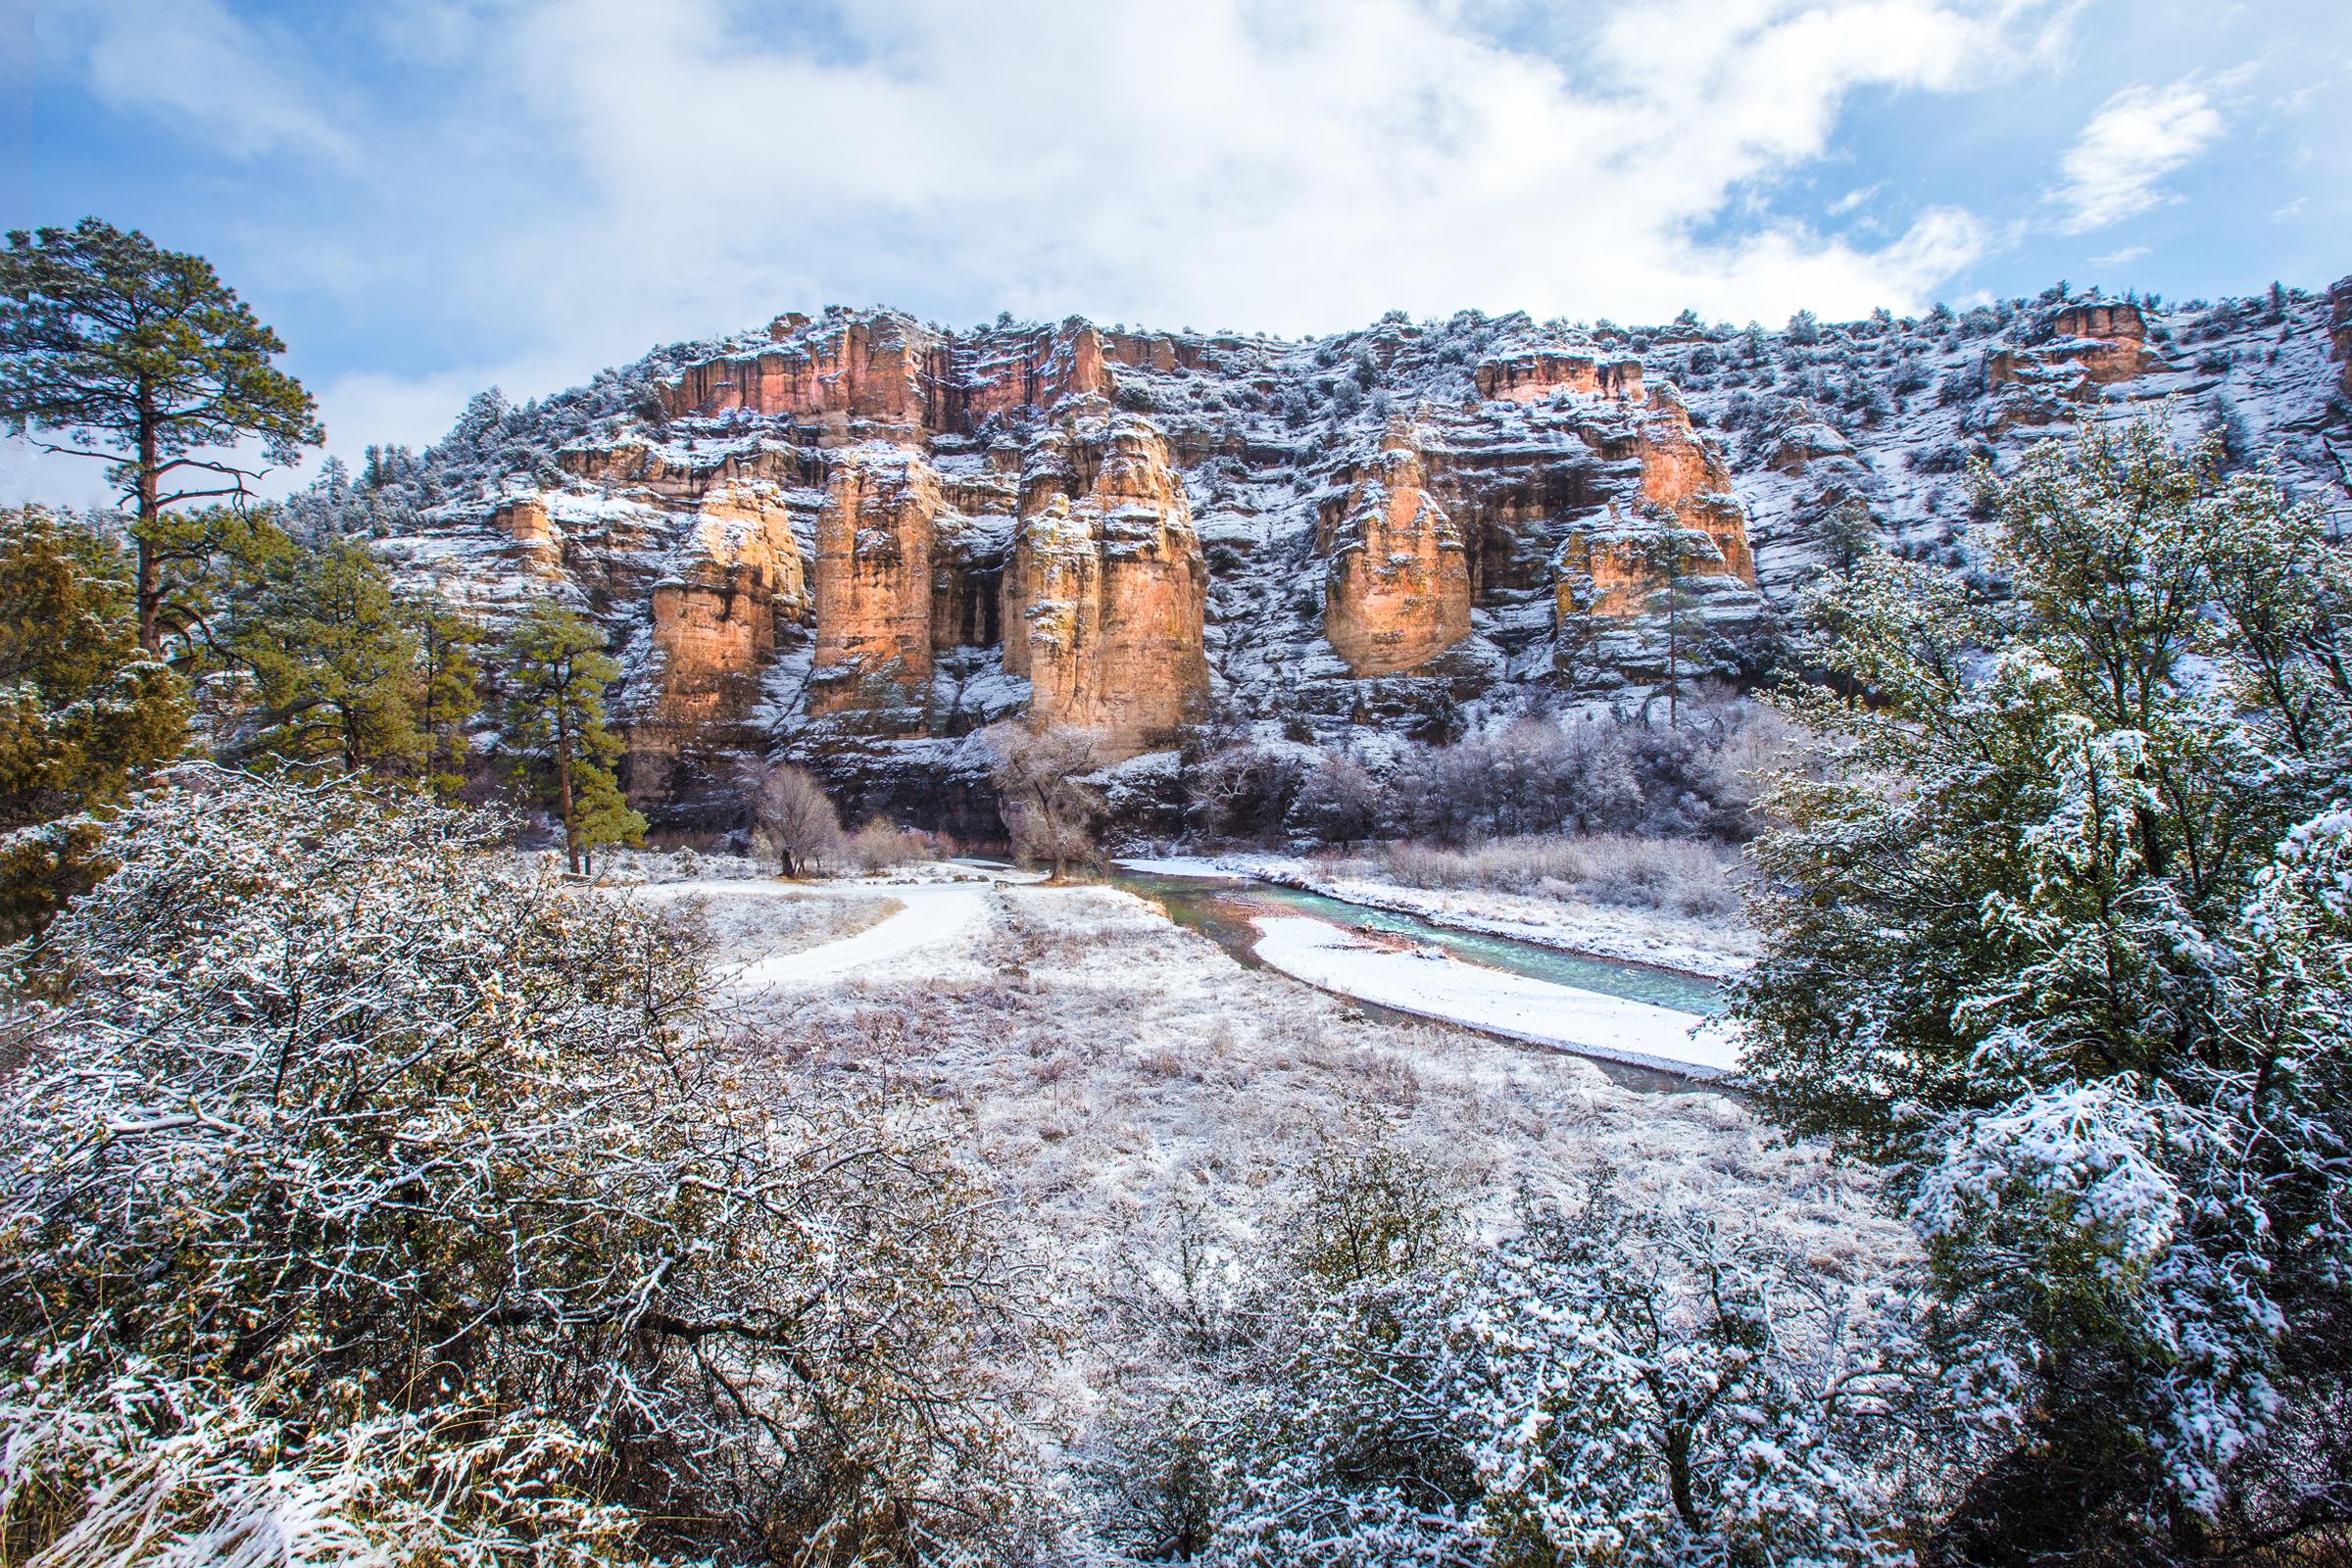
x,y
1105,596
854,538
1525,377
873,575
2101,343
1397,588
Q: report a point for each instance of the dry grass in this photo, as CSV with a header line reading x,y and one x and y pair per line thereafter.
x,y
756,925
1685,876
1124,1083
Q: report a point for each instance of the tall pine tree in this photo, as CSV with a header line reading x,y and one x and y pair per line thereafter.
x,y
111,347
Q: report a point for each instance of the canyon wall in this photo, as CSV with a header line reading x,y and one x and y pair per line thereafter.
x,y
856,539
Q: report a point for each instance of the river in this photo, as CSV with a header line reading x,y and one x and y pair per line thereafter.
x,y
1222,907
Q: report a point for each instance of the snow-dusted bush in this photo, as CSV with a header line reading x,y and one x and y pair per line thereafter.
x,y
1690,876
365,1199
1597,1386
1537,777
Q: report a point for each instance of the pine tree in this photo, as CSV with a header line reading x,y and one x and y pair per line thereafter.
x,y
84,710
556,671
332,653
114,348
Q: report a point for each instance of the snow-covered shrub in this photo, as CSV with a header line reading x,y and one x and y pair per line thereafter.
x,y
1537,777
1598,1386
365,1198
1686,875
1338,801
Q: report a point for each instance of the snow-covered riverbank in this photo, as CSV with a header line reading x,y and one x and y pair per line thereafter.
x,y
1718,949
1434,984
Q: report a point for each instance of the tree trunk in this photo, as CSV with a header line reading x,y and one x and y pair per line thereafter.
x,y
571,826
149,592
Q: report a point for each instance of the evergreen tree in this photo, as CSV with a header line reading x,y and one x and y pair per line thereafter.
x,y
114,348
332,652
449,683
84,710
557,671
2058,933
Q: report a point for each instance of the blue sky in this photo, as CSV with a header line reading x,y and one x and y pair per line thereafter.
x,y
429,196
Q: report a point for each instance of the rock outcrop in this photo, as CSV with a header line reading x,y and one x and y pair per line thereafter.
x,y
1105,596
2105,342
1396,586
873,576
1525,377
2339,328
886,372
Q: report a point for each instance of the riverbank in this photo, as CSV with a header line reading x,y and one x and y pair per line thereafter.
x,y
1713,950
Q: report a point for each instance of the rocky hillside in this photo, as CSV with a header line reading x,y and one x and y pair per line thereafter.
x,y
857,538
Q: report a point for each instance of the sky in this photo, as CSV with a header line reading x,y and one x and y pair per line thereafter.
x,y
430,197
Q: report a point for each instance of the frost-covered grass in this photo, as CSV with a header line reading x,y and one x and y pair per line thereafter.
x,y
750,924
1684,876
1122,1079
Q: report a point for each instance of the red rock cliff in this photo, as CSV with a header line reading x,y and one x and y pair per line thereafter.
x,y
873,574
1525,377
1397,590
1105,595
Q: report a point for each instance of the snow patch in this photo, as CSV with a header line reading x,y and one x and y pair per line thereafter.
x,y
1434,984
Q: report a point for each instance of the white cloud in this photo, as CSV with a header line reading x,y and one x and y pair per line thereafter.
x,y
2120,258
585,180
1229,162
192,60
1853,199
2138,136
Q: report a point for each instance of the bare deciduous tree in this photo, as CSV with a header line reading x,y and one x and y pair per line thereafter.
x,y
792,817
1049,807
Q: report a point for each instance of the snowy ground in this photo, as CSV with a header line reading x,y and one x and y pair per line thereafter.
x,y
1437,985
1720,949
1130,1089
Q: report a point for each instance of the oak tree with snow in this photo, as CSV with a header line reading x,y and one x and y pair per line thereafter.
x,y
2058,932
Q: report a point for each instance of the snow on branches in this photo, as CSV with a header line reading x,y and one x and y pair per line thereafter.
x,y
2057,933
368,1198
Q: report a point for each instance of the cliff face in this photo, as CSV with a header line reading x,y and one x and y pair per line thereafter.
x,y
1105,596
1397,589
854,539
2339,302
873,576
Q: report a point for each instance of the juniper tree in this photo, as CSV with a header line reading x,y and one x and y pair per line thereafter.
x,y
556,669
114,348
2058,933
